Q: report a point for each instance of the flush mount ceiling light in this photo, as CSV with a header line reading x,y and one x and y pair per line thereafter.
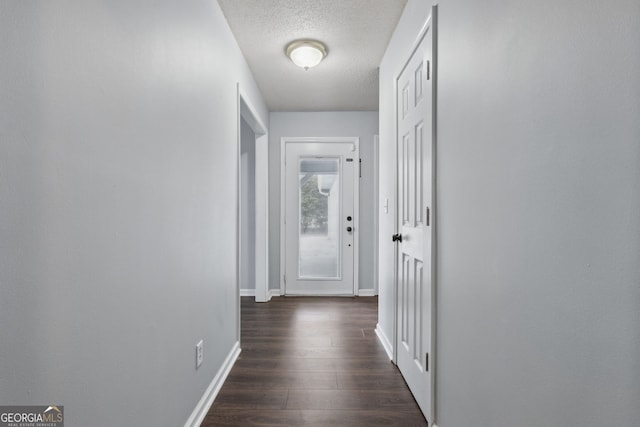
x,y
306,53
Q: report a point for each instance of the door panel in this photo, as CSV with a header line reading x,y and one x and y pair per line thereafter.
x,y
320,217
415,308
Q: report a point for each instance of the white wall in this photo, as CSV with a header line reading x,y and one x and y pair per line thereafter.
x,y
363,124
118,154
538,197
247,207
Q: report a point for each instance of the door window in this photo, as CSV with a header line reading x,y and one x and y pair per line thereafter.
x,y
319,227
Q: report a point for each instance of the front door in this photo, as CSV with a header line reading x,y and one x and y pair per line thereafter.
x,y
320,223
415,295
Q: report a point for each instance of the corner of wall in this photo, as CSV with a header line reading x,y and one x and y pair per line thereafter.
x,y
384,341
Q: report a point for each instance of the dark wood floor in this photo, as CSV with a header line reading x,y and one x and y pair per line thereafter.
x,y
313,362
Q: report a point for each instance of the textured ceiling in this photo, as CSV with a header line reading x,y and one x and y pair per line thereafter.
x,y
356,33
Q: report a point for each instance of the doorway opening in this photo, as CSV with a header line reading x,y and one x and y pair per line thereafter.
x,y
247,273
252,204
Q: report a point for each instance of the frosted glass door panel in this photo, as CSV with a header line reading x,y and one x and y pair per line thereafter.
x,y
319,228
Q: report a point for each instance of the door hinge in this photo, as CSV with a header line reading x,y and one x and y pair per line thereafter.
x,y
426,363
360,168
284,278
428,215
428,70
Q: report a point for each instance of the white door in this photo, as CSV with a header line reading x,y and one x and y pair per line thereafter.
x,y
415,296
320,222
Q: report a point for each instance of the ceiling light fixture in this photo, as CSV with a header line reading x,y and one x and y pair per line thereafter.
x,y
306,53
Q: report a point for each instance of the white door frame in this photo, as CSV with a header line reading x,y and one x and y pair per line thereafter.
x,y
376,215
356,203
431,21
247,111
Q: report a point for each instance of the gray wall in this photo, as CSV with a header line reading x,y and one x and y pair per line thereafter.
x,y
363,124
538,228
118,148
247,207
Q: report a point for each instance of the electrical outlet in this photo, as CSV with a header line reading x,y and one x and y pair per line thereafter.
x,y
199,353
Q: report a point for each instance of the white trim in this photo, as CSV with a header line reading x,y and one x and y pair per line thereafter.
x,y
283,207
247,111
376,211
356,219
274,293
367,292
203,406
238,206
384,341
247,292
356,208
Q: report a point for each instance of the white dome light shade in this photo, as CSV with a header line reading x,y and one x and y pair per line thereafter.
x,y
306,53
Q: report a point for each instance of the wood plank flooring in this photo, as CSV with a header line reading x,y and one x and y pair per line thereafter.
x,y
313,362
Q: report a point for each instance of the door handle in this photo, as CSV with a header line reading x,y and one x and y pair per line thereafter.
x,y
396,238
349,229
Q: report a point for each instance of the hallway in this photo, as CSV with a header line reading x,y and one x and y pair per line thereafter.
x,y
313,361
122,250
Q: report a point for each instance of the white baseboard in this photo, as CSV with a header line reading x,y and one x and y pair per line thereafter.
x,y
273,293
247,292
198,414
276,293
385,342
